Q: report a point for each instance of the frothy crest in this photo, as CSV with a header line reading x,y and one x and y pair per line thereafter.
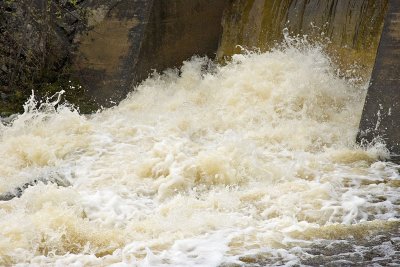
x,y
241,156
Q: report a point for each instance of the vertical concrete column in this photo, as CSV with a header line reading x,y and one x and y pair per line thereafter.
x,y
177,30
381,114
108,50
127,39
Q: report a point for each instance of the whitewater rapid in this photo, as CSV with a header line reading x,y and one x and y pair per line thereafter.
x,y
197,167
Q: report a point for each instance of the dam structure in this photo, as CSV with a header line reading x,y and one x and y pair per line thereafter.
x,y
155,35
221,133
381,115
130,39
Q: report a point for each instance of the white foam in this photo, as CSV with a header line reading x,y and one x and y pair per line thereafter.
x,y
194,169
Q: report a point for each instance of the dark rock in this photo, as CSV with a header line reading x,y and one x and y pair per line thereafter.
x,y
3,96
4,68
33,49
17,192
6,118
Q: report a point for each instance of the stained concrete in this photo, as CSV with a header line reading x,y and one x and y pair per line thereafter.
x,y
353,28
381,114
126,40
179,29
107,51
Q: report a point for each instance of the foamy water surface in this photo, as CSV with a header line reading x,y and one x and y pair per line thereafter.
x,y
196,168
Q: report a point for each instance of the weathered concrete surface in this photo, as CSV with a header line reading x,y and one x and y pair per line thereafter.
x,y
127,39
381,114
107,51
353,27
179,29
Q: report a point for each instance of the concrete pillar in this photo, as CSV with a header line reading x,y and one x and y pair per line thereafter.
x,y
381,114
177,30
107,51
127,39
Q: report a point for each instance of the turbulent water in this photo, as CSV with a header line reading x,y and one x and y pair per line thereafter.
x,y
252,162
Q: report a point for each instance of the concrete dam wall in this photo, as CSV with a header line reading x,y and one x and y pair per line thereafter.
x,y
381,115
131,38
349,29
107,47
